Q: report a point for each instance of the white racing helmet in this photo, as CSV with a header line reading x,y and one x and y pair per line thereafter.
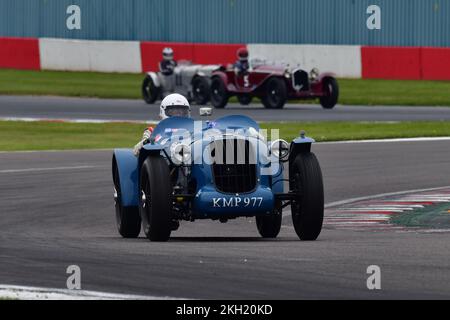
x,y
167,54
174,105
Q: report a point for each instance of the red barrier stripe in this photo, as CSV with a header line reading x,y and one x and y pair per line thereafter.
x,y
216,53
391,63
436,63
19,53
151,53
197,53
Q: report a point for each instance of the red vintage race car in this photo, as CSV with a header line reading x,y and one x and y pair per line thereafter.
x,y
273,84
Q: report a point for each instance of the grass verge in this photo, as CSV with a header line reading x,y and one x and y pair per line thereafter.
x,y
21,136
128,86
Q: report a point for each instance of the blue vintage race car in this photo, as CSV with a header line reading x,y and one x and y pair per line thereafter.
x,y
218,170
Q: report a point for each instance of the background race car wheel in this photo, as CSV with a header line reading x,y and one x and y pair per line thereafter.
x,y
276,94
307,209
245,99
200,89
219,94
269,225
127,218
156,201
150,92
331,88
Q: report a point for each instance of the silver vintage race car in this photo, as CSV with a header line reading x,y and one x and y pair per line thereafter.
x,y
189,80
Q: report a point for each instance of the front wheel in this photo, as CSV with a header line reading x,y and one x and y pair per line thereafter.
x,y
331,90
200,90
155,199
269,225
307,208
128,220
219,93
276,94
150,92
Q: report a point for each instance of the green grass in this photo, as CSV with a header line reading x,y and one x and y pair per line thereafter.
x,y
394,92
17,136
72,84
114,85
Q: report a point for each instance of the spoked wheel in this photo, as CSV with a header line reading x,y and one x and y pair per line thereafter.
x,y
269,225
150,92
200,89
127,218
276,94
156,198
219,94
331,90
308,206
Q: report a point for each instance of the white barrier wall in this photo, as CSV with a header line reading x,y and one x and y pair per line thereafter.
x,y
125,56
86,55
345,61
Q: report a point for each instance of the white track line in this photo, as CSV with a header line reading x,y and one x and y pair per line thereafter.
x,y
32,119
95,121
37,293
49,169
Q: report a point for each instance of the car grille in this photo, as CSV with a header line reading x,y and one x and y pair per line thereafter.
x,y
234,165
300,80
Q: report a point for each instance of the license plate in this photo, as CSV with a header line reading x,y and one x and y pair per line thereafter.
x,y
237,202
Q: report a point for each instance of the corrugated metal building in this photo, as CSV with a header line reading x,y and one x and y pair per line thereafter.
x,y
404,22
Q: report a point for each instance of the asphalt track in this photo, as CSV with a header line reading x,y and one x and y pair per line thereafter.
x,y
56,209
137,110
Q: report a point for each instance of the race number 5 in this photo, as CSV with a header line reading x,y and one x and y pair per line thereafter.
x,y
246,81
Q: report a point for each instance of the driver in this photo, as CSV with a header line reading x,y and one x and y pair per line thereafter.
x,y
242,65
168,64
174,105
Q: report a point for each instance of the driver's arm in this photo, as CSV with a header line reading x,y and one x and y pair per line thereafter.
x,y
145,137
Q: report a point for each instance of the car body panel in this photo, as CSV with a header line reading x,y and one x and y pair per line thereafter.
x,y
182,78
208,201
252,82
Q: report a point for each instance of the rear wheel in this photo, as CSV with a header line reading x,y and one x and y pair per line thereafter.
x,y
200,90
150,92
245,99
331,90
269,225
276,94
219,93
308,206
156,202
128,220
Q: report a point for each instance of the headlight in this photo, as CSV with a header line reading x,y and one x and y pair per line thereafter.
x,y
180,153
314,73
280,149
287,74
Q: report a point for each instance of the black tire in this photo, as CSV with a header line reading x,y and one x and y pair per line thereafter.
x,y
245,99
275,94
269,225
156,209
150,92
201,90
331,87
307,209
128,220
219,93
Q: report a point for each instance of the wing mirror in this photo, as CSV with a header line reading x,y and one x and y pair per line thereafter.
x,y
205,112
